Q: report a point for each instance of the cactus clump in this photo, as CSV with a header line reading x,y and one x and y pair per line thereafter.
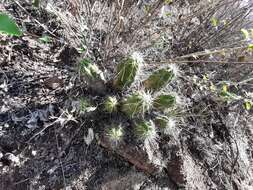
x,y
110,104
158,79
127,71
165,101
145,130
137,103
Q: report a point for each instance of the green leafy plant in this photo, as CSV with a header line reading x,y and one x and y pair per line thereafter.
x,y
8,25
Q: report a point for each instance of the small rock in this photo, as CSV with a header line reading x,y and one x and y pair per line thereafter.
x,y
53,83
116,180
138,157
10,159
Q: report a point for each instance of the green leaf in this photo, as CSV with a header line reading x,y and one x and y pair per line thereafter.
x,y
168,1
214,22
45,39
226,95
8,25
250,46
248,105
245,33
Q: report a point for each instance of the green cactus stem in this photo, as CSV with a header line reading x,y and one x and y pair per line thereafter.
x,y
126,72
161,121
158,79
137,104
164,101
110,104
145,130
115,134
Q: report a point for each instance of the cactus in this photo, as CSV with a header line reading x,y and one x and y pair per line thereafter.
x,y
136,104
145,130
167,125
127,71
91,70
165,101
162,121
115,134
158,79
110,104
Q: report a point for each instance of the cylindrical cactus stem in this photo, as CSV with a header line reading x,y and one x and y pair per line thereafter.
x,y
158,79
127,71
161,121
111,104
164,101
167,125
145,130
115,134
137,104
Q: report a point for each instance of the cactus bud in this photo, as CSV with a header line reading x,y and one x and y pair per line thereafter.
x,y
115,134
137,103
158,79
165,101
110,104
145,130
127,70
91,70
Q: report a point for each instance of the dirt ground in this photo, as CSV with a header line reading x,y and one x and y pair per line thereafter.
x,y
38,151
